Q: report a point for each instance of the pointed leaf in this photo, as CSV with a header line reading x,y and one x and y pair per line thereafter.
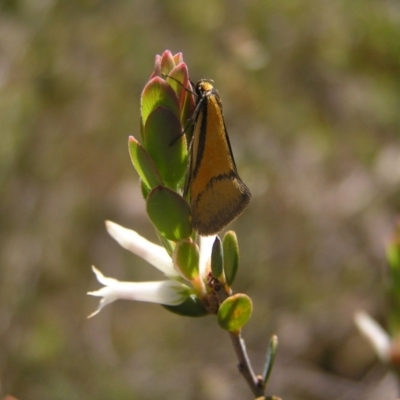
x,y
231,256
270,358
217,260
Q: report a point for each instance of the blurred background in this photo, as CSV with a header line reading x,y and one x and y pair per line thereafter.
x,y
311,94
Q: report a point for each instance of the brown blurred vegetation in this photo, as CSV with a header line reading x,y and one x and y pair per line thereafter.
x,y
311,93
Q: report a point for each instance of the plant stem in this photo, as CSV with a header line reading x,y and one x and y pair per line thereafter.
x,y
244,365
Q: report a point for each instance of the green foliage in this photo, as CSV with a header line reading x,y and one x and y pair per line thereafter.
x,y
166,146
186,258
235,312
270,359
144,165
217,260
170,213
231,256
158,93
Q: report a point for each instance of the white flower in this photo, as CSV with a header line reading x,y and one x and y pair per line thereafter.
x,y
375,334
152,253
168,292
206,244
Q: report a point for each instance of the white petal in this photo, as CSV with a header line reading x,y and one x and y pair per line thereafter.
x,y
163,292
206,244
107,299
375,334
101,278
152,253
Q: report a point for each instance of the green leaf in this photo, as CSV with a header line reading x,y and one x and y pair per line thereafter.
x,y
157,93
217,260
170,213
231,256
235,312
186,258
164,141
143,164
270,358
191,307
